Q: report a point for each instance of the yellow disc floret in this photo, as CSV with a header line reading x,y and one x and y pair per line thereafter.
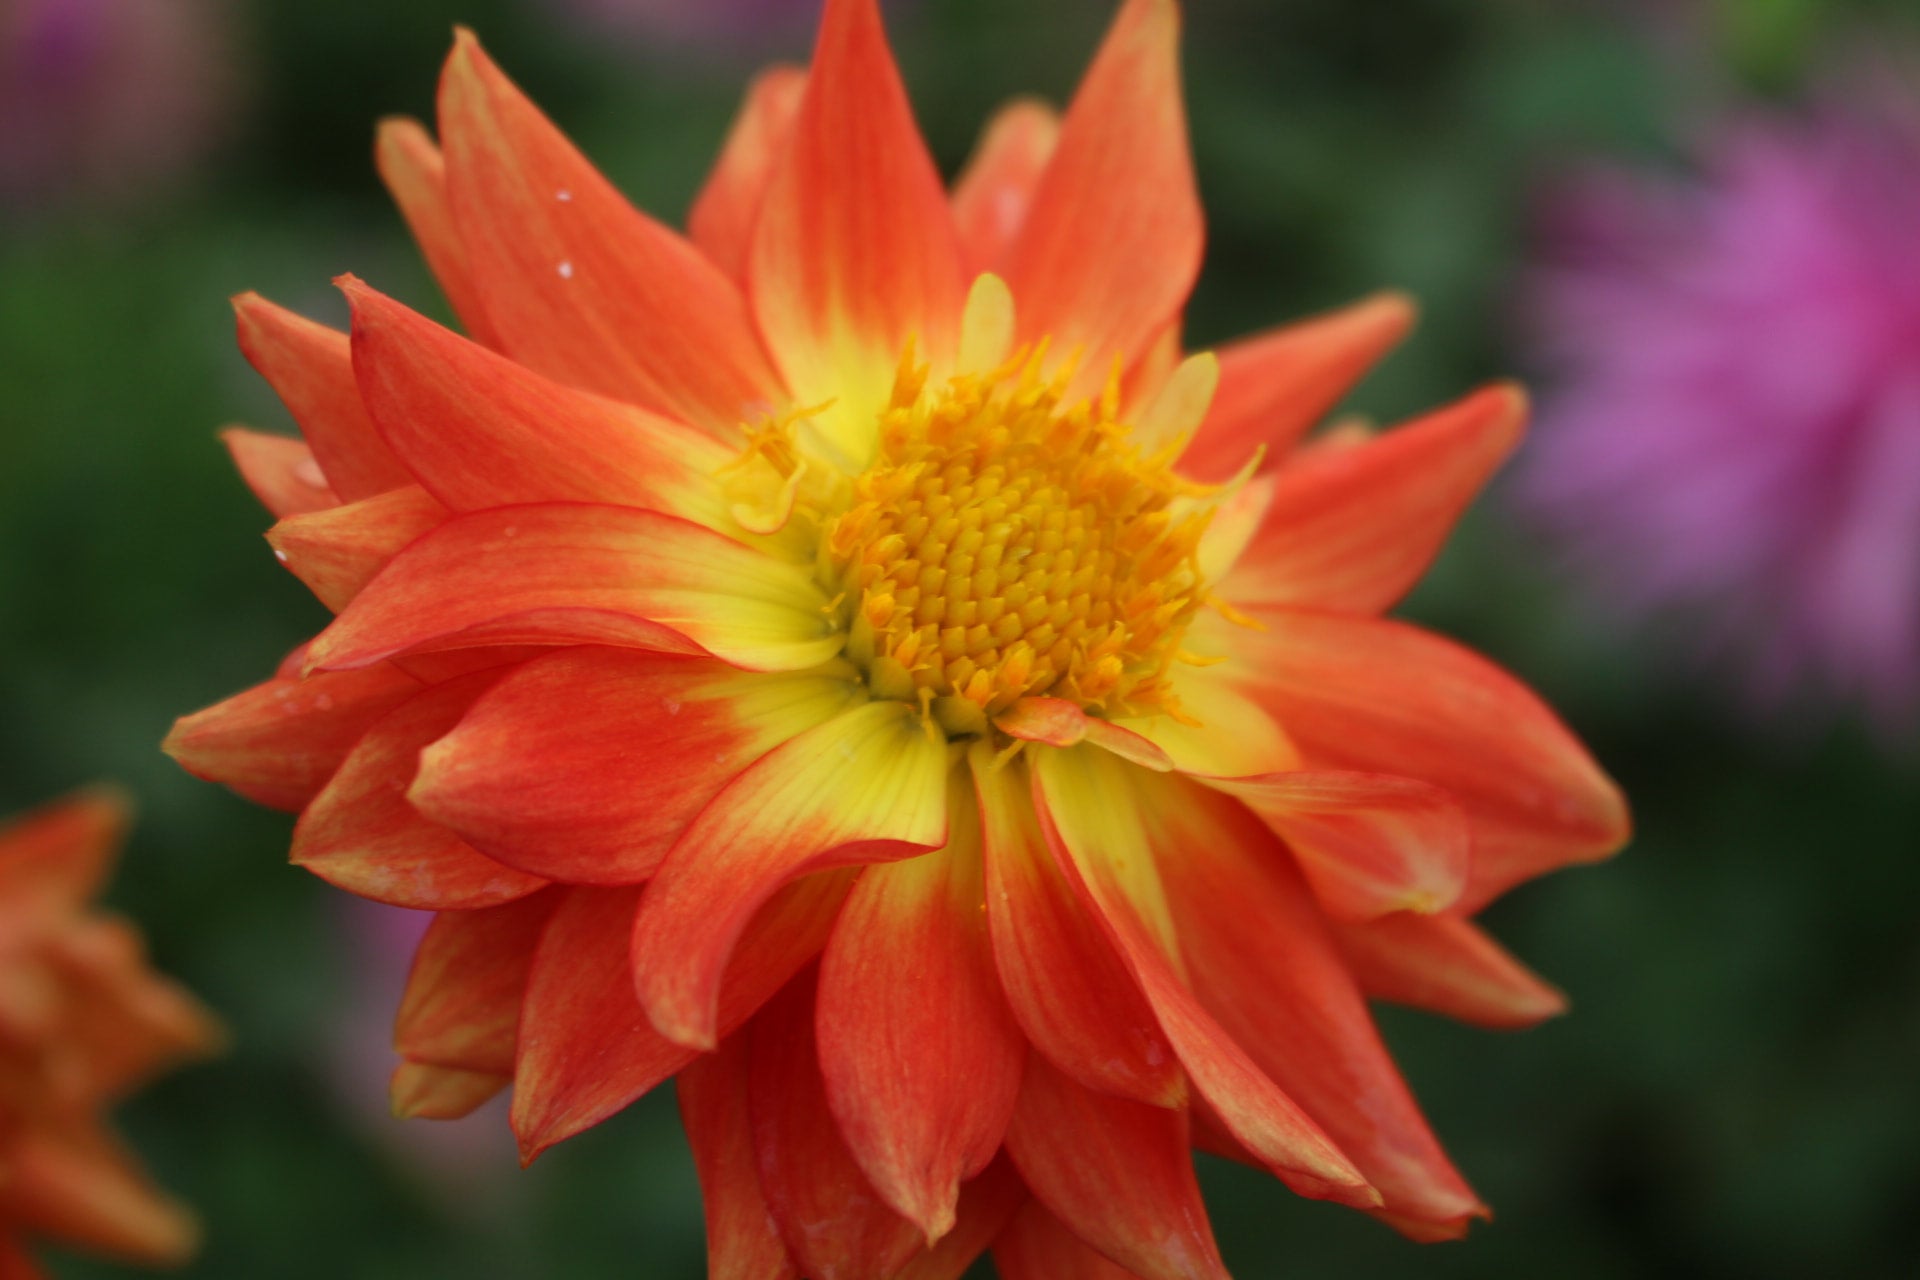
x,y
1006,543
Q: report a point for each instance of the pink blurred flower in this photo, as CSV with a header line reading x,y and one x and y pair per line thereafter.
x,y
105,97
1734,435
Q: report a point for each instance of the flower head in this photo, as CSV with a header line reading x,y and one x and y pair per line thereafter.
x,y
83,1021
849,660
1736,433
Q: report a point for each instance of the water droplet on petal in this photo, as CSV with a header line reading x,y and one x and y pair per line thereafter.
x,y
566,270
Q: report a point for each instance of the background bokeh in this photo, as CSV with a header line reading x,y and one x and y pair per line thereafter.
x,y
1737,1092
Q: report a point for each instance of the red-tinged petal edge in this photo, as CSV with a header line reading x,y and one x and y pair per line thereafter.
x,y
1379,696
829,1215
1275,386
415,174
1105,829
867,786
309,366
587,1048
1069,990
1351,530
1369,843
599,795
1265,965
1036,1246
280,472
461,1007
921,1074
724,214
279,742
482,431
1117,1173
360,834
855,252
743,1241
336,552
1111,244
577,283
577,573
1447,965
993,193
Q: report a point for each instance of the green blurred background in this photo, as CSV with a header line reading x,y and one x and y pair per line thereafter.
x,y
1737,1092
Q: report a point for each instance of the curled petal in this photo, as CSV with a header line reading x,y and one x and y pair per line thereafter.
x,y
921,1075
576,282
416,176
987,1204
724,214
867,786
1274,387
1447,965
361,835
278,742
311,369
575,573
600,795
280,471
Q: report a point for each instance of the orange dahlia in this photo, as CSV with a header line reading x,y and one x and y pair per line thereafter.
x,y
83,1020
848,659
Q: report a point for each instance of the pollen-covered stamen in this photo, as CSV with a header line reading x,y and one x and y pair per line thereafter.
x,y
1005,544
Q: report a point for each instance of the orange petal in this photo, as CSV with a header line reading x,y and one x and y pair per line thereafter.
x,y
1266,966
79,1186
578,284
361,835
867,786
575,573
724,214
987,1203
1369,843
1351,530
1447,965
280,471
922,1087
418,1091
309,366
587,764
1384,697
1035,1246
482,431
1117,1173
63,851
1104,825
461,1007
827,1212
278,742
1060,723
1071,994
1275,386
1112,243
586,1047
855,252
993,193
416,176
743,1242
337,551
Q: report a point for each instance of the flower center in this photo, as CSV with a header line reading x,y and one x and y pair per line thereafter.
x,y
1006,543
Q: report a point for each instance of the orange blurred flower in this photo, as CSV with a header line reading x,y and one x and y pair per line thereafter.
x,y
848,659
83,1021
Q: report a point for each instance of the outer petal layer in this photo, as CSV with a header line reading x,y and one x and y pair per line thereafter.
x,y
994,192
416,176
1035,1246
1448,965
743,1241
727,209
461,1008
576,282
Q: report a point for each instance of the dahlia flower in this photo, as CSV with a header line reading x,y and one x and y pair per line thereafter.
x,y
1735,431
850,661
83,1021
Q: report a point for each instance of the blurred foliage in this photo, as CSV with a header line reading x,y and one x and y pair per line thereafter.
x,y
1734,1095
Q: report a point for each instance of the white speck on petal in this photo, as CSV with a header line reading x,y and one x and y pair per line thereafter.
x,y
279,555
566,270
672,705
323,702
511,531
563,195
